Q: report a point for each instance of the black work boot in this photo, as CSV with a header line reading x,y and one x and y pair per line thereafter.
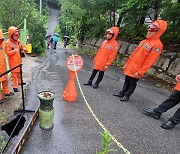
x,y
24,83
152,113
10,94
15,89
95,86
121,94
125,98
168,125
89,83
1,101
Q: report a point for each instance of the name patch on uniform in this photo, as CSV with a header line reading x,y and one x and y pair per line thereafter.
x,y
109,47
146,46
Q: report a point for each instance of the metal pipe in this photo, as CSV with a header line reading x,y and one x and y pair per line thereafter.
x,y
22,91
10,70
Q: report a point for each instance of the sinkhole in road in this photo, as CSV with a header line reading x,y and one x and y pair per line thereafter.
x,y
14,126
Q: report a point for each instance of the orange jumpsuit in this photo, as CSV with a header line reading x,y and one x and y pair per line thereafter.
x,y
107,52
14,57
3,79
146,54
141,60
177,87
105,56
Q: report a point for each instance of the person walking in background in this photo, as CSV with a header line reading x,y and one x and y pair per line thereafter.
x,y
55,41
170,102
142,58
14,49
4,78
48,39
51,42
105,56
66,40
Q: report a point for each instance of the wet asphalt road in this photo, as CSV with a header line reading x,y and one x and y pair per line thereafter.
x,y
77,132
53,21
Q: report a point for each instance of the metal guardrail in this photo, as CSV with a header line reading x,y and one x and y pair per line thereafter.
x,y
20,65
23,110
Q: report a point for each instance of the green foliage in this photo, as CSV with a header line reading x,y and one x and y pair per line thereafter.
x,y
105,140
86,18
2,143
170,11
90,18
3,115
37,30
54,4
87,52
129,33
57,30
133,13
14,12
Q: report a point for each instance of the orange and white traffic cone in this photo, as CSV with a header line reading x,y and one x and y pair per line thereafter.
x,y
70,93
74,63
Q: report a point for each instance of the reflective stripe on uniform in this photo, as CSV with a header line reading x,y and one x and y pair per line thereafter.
x,y
146,46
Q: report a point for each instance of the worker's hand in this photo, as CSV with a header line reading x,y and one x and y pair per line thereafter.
x,y
25,50
106,67
16,50
178,78
124,66
137,75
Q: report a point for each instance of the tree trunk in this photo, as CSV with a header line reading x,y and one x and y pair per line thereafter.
x,y
114,13
155,9
110,18
119,21
141,21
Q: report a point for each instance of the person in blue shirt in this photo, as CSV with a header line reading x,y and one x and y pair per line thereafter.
x,y
55,41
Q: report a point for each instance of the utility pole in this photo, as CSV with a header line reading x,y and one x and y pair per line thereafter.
x,y
25,31
155,9
40,5
114,13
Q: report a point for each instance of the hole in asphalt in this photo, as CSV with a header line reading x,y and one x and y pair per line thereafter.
x,y
14,126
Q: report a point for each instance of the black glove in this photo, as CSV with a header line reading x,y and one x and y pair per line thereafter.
x,y
22,54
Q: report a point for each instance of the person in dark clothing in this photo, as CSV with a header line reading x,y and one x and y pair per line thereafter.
x,y
51,42
170,102
48,38
66,40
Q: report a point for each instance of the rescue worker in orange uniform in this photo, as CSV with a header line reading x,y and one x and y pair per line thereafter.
x,y
105,56
3,79
170,102
14,48
142,58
